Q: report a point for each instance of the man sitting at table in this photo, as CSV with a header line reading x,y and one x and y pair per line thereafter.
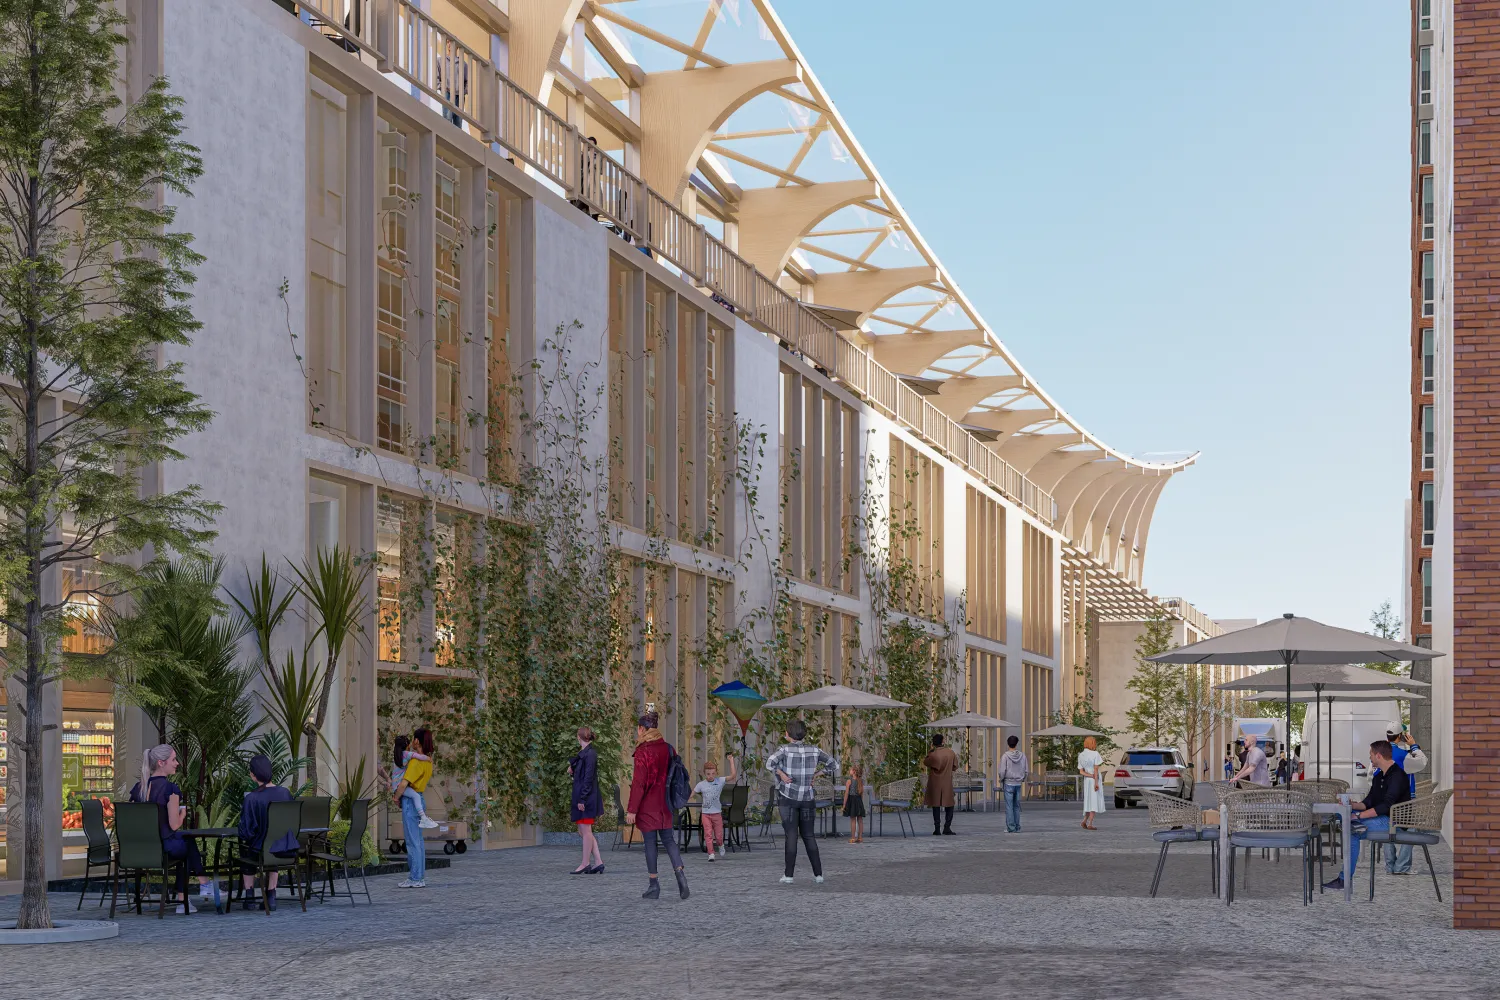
x,y
254,819
1388,787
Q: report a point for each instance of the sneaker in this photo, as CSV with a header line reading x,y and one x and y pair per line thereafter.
x,y
818,879
190,908
1337,884
407,883
427,823
418,884
710,856
786,880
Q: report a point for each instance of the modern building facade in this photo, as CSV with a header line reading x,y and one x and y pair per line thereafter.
x,y
408,203
1455,290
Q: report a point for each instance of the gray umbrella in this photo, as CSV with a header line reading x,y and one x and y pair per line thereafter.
x,y
1316,695
1295,642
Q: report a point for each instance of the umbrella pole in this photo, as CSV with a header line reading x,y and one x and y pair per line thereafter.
x,y
1287,736
834,813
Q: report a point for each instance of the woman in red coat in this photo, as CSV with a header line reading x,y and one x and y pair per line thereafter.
x,y
648,802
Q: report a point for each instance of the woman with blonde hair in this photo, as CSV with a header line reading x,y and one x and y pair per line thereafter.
x,y
158,764
1090,763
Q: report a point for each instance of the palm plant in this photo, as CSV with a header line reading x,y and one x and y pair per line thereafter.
x,y
290,696
334,584
353,787
264,609
214,720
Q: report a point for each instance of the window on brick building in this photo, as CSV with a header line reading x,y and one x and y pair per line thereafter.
x,y
1427,284
1427,360
1427,220
1426,591
1426,437
1424,75
1424,144
1428,513
1424,15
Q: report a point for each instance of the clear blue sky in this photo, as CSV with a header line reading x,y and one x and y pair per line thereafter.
x,y
1189,221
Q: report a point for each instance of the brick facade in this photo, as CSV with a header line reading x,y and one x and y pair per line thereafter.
x,y
1475,467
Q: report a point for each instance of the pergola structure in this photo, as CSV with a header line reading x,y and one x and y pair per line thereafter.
x,y
712,104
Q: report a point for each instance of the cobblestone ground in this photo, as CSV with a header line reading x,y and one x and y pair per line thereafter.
x,y
1052,912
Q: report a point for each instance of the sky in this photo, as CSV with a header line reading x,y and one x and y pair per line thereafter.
x,y
1188,221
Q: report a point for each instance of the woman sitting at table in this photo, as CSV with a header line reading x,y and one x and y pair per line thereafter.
x,y
254,820
158,764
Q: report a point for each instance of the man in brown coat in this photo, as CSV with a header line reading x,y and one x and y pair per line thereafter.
x,y
940,764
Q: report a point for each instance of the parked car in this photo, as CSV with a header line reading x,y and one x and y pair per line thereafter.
x,y
1152,769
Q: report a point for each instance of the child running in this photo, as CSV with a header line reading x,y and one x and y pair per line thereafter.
x,y
413,769
854,804
711,788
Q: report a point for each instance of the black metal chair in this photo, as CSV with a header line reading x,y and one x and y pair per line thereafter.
x,y
282,818
620,825
737,818
138,830
317,815
101,851
351,851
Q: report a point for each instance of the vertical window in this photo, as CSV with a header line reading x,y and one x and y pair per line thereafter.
x,y
448,246
1427,365
1427,220
327,170
1424,144
691,426
388,524
713,389
620,278
500,460
1424,15
1424,75
391,396
1427,434
1427,284
1428,515
1427,591
660,466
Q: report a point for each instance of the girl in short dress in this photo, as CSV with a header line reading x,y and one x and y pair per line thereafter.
x,y
854,804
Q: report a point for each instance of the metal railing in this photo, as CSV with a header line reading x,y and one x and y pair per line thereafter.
x,y
410,43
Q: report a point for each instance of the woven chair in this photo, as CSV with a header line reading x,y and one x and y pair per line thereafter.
x,y
1324,790
966,783
823,800
1416,822
1271,818
1173,821
896,797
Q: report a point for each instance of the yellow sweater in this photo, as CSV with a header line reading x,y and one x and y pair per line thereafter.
x,y
418,773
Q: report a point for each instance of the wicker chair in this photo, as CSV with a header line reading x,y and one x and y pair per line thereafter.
x,y
966,783
896,797
1416,822
1324,790
1174,821
1271,818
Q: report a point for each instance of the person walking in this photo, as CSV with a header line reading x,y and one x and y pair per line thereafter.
x,y
648,811
941,762
1254,767
1012,777
1410,758
1090,761
585,804
711,803
795,764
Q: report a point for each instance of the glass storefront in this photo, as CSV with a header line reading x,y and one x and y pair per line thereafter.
x,y
88,760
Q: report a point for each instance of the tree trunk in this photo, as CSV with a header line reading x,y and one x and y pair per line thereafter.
x,y
34,911
320,716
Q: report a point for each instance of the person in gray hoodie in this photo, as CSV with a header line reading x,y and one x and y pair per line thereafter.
x,y
1012,776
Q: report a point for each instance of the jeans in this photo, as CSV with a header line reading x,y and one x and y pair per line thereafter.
x,y
416,851
1398,858
939,817
1012,808
797,820
1372,825
667,840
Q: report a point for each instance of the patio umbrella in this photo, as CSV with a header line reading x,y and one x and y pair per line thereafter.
x,y
834,697
743,702
1352,694
1063,729
967,721
1295,643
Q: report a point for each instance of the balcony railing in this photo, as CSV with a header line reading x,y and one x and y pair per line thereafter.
x,y
408,42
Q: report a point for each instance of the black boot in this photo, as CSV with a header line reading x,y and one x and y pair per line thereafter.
x,y
653,891
682,889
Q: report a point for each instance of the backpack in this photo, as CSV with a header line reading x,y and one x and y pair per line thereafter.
x,y
678,788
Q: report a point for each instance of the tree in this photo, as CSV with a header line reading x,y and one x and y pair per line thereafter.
x,y
1156,716
93,285
1201,707
1060,753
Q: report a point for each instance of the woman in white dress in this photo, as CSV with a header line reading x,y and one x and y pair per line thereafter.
x,y
1089,764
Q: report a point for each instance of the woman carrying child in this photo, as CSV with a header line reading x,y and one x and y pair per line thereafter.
x,y
413,770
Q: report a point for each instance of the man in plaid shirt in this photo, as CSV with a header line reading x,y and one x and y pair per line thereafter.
x,y
795,765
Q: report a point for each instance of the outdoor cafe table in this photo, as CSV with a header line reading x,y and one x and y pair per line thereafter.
x,y
218,835
1339,809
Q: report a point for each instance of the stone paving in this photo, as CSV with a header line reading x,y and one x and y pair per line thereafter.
x,y
1052,912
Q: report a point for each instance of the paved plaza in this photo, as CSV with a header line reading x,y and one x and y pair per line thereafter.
x,y
1052,912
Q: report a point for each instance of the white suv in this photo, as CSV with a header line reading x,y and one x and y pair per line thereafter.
x,y
1153,769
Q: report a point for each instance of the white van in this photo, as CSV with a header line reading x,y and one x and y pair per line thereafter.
x,y
1345,739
